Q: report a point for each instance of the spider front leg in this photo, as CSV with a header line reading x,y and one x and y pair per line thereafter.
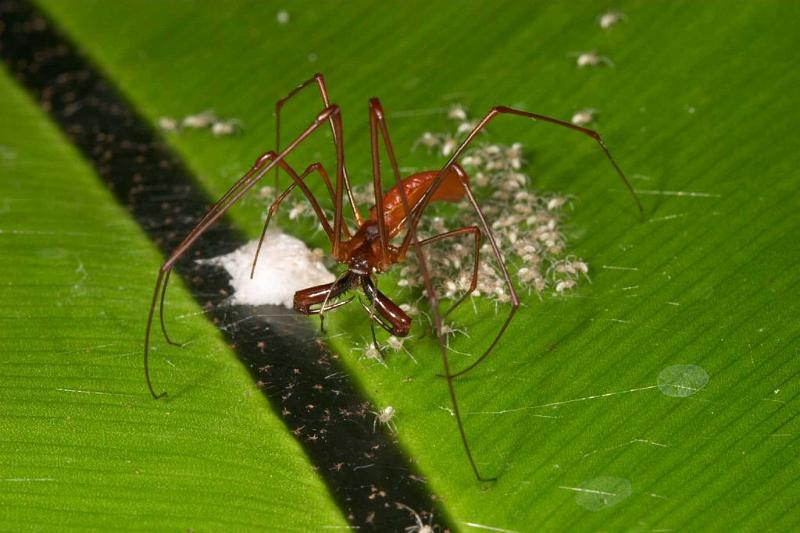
x,y
307,300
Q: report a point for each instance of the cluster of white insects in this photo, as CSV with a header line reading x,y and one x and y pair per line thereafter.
x,y
526,226
200,121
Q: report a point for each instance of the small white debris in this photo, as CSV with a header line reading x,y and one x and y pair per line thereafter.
x,y
465,127
584,116
557,202
298,210
419,526
225,127
457,112
428,140
610,18
205,120
200,120
409,309
168,124
285,265
266,192
564,285
282,17
449,146
591,59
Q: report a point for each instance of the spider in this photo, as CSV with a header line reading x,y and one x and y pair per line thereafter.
x,y
382,237
385,417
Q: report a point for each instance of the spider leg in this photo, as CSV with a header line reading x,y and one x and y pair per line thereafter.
x,y
319,79
338,287
297,181
261,167
306,300
375,120
161,312
377,115
419,208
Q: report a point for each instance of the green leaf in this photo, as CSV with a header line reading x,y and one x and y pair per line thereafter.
x,y
576,410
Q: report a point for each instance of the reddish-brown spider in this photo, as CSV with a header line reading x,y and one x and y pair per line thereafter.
x,y
369,250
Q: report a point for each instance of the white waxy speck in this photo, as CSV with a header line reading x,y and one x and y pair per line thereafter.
x,y
565,285
200,120
168,124
449,147
591,59
610,18
584,116
225,127
285,265
282,17
457,112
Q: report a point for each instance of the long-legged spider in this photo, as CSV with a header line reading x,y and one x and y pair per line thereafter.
x,y
368,250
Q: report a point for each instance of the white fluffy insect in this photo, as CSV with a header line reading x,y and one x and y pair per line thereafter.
x,y
584,116
564,285
420,526
371,351
457,112
298,210
168,124
226,127
282,17
449,146
557,202
200,120
591,59
396,344
610,18
385,417
429,140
